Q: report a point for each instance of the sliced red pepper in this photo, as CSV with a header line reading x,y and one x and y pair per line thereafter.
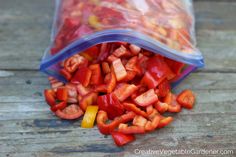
x,y
75,62
111,105
165,121
50,97
62,94
105,68
149,109
164,88
161,107
139,121
59,106
82,76
108,128
133,65
104,51
88,99
135,109
186,99
149,81
121,52
91,52
146,98
101,123
111,58
67,75
122,139
101,88
175,66
134,49
173,105
125,129
72,91
83,90
153,124
143,61
96,77
130,76
57,84
124,90
70,112
159,69
119,70
111,82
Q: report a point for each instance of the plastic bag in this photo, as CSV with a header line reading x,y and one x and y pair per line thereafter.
x,y
160,26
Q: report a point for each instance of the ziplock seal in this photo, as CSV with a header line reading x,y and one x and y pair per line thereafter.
x,y
126,36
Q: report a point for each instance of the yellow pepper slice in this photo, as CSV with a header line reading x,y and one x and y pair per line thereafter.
x,y
89,117
94,21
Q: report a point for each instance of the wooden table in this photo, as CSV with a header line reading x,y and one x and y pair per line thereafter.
x,y
28,128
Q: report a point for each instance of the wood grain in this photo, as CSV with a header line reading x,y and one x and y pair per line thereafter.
x,y
28,128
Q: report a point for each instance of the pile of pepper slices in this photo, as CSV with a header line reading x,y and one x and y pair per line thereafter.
x,y
124,88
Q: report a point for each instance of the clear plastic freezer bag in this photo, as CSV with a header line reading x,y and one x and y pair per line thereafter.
x,y
159,26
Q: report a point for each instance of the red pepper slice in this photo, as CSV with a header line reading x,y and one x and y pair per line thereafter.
x,y
59,106
153,124
159,69
164,88
135,109
111,58
111,105
175,66
91,52
104,51
105,68
165,121
130,76
83,90
122,139
139,121
75,62
121,52
161,107
105,128
112,82
96,77
66,74
70,112
146,98
173,105
124,90
132,65
125,129
154,119
186,99
119,70
101,88
149,81
134,49
50,97
82,76
62,94
88,99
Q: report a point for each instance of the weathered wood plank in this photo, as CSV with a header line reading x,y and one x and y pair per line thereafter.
x,y
28,127
213,15
25,31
